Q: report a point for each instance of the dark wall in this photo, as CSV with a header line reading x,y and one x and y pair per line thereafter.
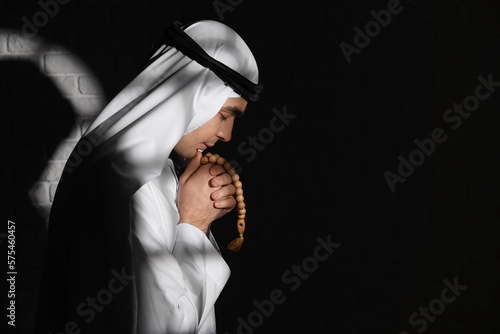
x,y
371,155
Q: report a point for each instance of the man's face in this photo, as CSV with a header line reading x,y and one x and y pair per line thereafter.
x,y
219,127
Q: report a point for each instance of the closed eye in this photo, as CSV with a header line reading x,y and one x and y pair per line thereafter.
x,y
223,117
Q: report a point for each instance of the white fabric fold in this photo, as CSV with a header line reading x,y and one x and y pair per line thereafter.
x,y
180,271
181,96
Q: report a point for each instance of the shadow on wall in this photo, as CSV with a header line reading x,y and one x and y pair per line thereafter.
x,y
35,118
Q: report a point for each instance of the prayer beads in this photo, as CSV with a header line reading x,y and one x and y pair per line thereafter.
x,y
236,244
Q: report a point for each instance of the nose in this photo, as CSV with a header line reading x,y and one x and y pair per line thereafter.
x,y
224,132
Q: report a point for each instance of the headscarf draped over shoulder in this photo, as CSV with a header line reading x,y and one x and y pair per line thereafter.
x,y
127,145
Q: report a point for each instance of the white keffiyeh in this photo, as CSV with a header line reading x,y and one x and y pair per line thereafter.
x,y
181,271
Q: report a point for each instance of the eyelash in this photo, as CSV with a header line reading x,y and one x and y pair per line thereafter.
x,y
223,118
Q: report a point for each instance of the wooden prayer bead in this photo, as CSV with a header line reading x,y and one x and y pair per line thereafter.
x,y
212,159
236,244
221,161
241,225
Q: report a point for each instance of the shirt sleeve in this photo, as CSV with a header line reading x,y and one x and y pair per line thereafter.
x,y
180,278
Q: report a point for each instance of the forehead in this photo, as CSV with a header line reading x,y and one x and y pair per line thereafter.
x,y
235,106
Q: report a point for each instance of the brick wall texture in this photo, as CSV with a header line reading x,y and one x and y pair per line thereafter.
x,y
389,152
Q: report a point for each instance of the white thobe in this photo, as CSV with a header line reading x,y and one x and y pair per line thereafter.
x,y
179,270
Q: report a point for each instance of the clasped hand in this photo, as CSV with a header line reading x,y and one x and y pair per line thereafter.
x,y
205,193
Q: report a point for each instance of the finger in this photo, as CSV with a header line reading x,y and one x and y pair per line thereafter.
x,y
226,191
227,203
192,167
220,181
216,170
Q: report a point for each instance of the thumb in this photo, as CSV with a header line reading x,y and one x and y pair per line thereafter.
x,y
191,167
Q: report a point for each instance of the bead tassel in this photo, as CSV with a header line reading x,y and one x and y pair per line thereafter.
x,y
236,244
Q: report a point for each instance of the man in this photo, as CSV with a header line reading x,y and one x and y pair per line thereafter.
x,y
130,248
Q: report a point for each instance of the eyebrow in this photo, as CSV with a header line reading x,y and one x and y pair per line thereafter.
x,y
234,110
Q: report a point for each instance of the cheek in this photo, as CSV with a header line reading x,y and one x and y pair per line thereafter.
x,y
204,135
211,130
227,127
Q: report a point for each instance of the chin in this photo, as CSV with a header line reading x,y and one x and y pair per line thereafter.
x,y
185,153
192,154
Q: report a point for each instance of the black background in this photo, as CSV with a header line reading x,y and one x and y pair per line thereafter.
x,y
323,174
